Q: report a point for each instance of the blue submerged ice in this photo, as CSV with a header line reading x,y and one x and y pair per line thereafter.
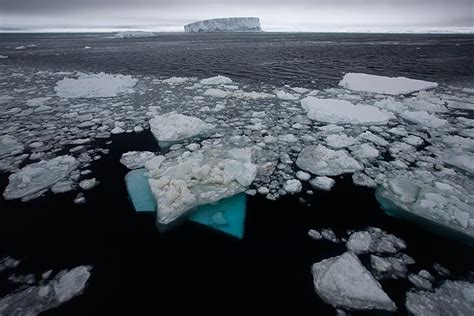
x,y
227,215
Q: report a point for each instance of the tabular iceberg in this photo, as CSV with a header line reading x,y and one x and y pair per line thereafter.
x,y
240,24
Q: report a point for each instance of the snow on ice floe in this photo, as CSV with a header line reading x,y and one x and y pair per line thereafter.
x,y
35,299
172,127
343,112
204,176
132,34
217,80
345,283
451,298
99,85
384,85
323,161
38,177
3,57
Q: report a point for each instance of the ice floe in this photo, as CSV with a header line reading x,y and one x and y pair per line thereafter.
x,y
217,80
343,112
384,85
172,127
39,177
202,177
136,159
345,283
323,161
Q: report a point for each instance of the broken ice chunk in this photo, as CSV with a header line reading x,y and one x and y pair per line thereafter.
x,y
344,282
39,298
9,145
136,159
292,186
39,176
216,80
322,183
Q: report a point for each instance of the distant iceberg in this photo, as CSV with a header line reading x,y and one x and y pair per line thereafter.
x,y
130,34
240,24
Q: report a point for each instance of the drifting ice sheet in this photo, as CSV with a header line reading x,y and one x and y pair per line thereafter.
x,y
343,112
384,85
99,85
344,282
172,127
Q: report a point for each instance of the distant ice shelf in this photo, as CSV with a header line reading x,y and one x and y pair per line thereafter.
x,y
238,24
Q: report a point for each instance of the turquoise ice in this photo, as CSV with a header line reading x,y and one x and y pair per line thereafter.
x,y
139,191
227,215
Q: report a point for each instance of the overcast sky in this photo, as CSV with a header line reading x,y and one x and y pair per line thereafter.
x,y
275,15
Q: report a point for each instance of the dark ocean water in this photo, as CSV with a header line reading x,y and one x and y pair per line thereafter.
x,y
269,57
139,271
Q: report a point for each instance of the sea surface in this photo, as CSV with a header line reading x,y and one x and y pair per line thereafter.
x,y
141,271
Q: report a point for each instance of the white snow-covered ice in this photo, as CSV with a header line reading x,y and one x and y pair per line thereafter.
x,y
384,85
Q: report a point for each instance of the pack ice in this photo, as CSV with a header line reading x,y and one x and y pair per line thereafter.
x,y
384,85
201,177
345,283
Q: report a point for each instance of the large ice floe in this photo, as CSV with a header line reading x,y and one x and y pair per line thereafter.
x,y
35,299
384,85
343,112
95,86
201,177
345,283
